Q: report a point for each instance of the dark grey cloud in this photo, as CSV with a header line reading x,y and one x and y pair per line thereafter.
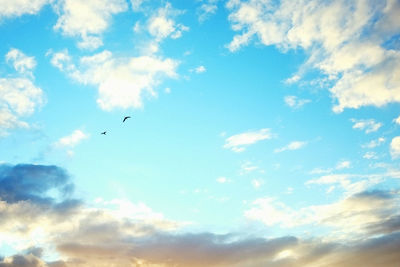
x,y
27,182
23,261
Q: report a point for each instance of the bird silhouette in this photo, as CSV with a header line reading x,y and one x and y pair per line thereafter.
x,y
104,133
125,118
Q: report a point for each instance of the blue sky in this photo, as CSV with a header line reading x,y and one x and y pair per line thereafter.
x,y
262,133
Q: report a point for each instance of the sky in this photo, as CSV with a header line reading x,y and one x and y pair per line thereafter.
x,y
261,133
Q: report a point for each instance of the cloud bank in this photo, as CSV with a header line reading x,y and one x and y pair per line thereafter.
x,y
126,234
348,42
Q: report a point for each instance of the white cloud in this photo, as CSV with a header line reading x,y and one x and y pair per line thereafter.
x,y
294,102
395,147
21,62
291,146
271,212
320,170
72,140
247,167
257,183
223,180
200,69
397,120
121,82
350,217
289,190
295,78
19,96
370,155
239,142
162,25
87,19
345,164
350,183
368,125
207,9
90,42
344,41
374,143
17,8
136,4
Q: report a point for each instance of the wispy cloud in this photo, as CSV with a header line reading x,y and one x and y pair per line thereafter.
x,y
369,125
370,155
374,143
19,96
344,164
199,69
21,62
223,180
248,167
257,183
239,142
295,145
207,9
294,102
350,183
355,216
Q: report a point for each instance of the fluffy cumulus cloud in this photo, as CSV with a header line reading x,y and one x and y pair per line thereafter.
x,y
19,96
17,8
72,140
122,82
295,145
36,199
162,24
345,40
397,120
368,126
239,142
87,19
395,147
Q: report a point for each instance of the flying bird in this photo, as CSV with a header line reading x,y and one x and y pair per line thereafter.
x,y
127,117
104,133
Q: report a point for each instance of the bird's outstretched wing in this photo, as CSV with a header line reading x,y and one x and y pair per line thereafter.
x,y
125,118
104,133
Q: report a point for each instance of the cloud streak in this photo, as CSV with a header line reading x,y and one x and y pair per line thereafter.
x,y
369,125
295,145
239,142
